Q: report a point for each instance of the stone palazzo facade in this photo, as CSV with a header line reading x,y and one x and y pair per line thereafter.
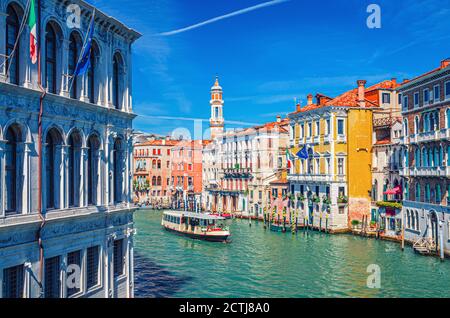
x,y
86,226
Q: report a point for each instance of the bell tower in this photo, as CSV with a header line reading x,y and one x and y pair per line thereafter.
x,y
216,122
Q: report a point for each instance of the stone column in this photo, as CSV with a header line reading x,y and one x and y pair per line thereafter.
x,y
65,83
58,181
65,177
108,174
2,177
130,263
2,47
101,178
44,178
84,176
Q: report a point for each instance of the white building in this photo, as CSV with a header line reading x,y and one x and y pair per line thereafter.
x,y
86,217
240,164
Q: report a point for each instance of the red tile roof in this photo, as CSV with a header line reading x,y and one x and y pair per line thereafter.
x,y
350,98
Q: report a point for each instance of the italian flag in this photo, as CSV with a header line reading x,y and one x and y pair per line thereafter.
x,y
288,159
33,34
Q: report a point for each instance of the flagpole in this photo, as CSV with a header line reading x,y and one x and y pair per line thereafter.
x,y
71,77
41,112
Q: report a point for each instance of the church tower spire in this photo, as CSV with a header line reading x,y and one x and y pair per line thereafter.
x,y
216,122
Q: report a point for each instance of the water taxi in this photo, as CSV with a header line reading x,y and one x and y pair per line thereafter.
x,y
200,226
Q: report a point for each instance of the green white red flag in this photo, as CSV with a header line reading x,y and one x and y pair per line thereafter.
x,y
33,33
288,159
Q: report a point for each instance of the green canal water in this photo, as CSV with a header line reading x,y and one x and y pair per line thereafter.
x,y
260,263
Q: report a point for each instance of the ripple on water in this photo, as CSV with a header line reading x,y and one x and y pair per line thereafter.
x,y
260,263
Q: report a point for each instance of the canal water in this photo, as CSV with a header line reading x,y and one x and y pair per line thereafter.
x,y
260,263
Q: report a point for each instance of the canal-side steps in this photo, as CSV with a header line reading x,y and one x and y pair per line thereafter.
x,y
425,246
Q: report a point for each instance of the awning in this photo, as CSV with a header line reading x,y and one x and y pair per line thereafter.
x,y
394,191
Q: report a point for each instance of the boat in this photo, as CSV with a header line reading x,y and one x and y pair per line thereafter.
x,y
275,227
202,226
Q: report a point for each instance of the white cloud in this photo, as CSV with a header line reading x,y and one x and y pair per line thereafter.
x,y
225,16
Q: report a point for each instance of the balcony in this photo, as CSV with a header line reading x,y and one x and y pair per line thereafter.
x,y
428,136
425,172
341,139
426,206
327,139
311,177
240,173
316,139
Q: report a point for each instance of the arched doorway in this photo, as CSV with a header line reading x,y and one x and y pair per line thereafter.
x,y
433,226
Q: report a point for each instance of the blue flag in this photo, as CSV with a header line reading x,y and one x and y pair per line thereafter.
x,y
85,62
303,153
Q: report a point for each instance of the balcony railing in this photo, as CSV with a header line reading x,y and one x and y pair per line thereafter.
x,y
341,138
425,172
327,139
311,177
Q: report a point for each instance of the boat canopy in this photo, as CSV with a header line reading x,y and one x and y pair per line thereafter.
x,y
202,216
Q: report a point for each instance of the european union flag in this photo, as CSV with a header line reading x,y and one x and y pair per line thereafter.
x,y
303,153
85,62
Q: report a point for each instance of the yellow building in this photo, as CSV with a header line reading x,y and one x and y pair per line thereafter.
x,y
331,184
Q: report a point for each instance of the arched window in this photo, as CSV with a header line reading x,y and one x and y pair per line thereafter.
x,y
159,181
118,171
408,215
12,170
92,168
116,89
73,59
413,219
416,125
448,117
438,194
427,193
50,59
375,191
52,168
74,157
417,194
91,74
405,128
154,181
417,221
417,158
12,31
159,164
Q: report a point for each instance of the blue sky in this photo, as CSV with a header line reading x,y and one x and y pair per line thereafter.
x,y
267,57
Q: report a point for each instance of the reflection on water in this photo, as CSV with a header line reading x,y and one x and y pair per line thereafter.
x,y
261,263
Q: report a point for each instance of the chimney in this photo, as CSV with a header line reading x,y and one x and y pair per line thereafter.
x,y
310,99
445,63
394,81
299,107
361,93
278,119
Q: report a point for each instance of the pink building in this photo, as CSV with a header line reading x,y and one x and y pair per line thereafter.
x,y
186,179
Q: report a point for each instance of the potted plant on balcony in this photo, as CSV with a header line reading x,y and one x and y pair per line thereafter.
x,y
342,199
315,199
326,200
300,197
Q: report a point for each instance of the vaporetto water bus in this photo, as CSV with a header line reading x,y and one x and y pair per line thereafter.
x,y
202,226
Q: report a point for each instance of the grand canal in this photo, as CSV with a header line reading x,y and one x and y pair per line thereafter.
x,y
261,263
